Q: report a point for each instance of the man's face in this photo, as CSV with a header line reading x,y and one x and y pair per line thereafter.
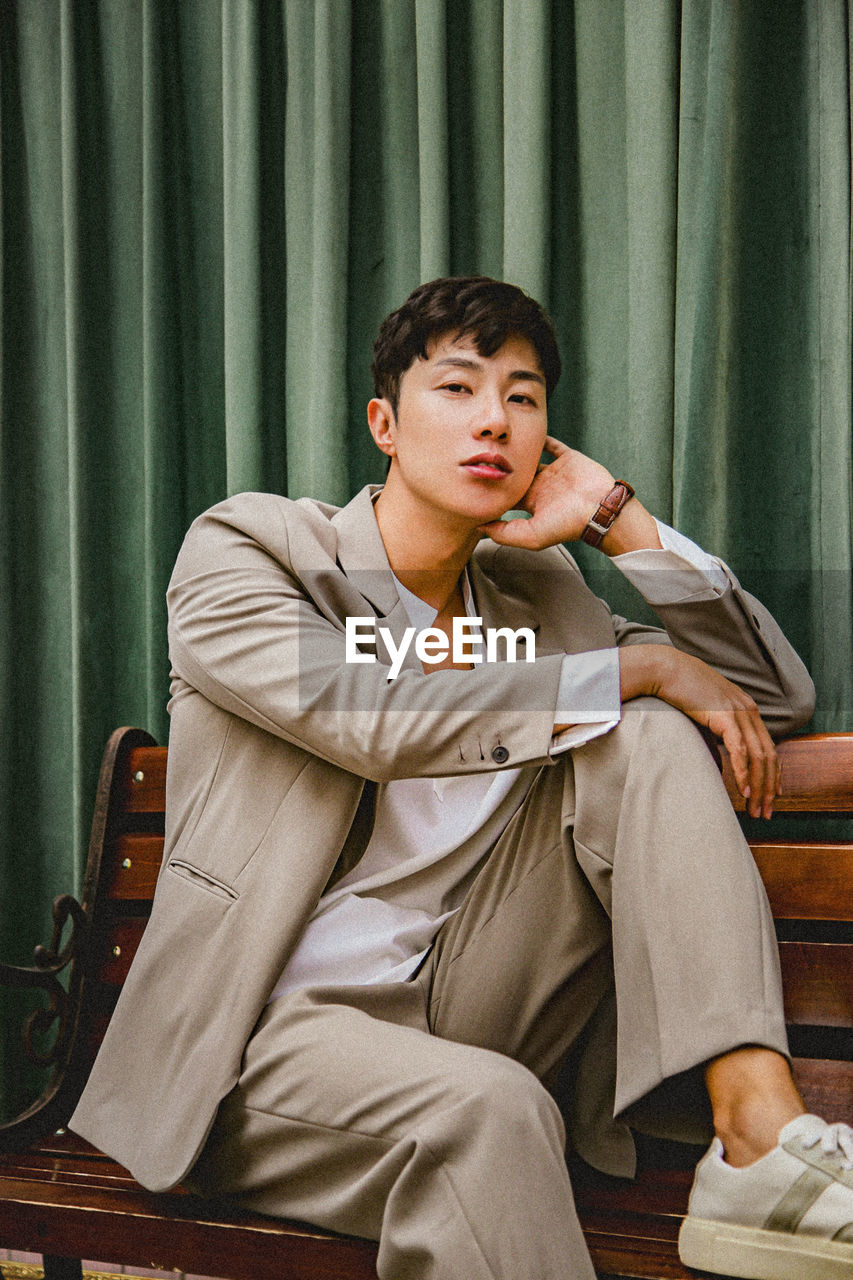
x,y
469,429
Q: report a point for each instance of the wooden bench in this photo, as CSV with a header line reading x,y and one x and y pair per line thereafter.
x,y
63,1199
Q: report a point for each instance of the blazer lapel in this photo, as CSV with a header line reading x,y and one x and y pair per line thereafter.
x,y
362,558
498,608
361,551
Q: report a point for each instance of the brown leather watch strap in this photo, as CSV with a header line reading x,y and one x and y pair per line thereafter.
x,y
607,512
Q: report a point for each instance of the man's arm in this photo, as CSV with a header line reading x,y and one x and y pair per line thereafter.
x,y
561,500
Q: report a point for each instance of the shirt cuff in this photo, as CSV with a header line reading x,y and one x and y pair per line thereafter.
x,y
588,698
682,571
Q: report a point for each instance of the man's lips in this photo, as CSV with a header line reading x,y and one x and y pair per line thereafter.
x,y
488,466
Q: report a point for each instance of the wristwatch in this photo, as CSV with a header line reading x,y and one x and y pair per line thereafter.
x,y
608,510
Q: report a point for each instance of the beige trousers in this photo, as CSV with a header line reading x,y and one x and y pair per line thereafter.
x,y
416,1113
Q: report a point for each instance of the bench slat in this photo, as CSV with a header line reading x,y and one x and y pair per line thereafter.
x,y
648,1252
817,978
806,880
170,1231
826,1086
117,948
817,774
132,874
144,789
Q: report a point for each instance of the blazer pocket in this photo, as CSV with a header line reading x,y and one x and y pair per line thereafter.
x,y
202,880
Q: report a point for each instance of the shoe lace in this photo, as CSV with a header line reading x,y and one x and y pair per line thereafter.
x,y
834,1139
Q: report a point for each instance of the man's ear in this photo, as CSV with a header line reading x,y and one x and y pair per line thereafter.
x,y
383,425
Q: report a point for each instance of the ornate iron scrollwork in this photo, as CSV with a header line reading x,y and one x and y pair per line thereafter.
x,y
44,975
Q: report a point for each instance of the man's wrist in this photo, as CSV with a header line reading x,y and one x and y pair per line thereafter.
x,y
643,669
607,512
635,530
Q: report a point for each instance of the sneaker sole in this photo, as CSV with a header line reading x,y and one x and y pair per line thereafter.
x,y
754,1254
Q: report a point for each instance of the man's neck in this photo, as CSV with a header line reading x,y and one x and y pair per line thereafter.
x,y
426,552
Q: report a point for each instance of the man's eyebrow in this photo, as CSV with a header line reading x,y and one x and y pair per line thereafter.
x,y
461,362
527,375
457,362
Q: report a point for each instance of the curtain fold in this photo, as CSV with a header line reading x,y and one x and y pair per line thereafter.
x,y
626,106
433,141
207,207
762,448
317,205
526,159
831,443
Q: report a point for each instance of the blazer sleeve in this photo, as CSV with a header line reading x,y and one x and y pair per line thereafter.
x,y
737,636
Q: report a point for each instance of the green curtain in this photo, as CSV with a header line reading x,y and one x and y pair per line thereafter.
x,y
207,206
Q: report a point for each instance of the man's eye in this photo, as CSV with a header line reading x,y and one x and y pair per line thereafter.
x,y
453,386
520,398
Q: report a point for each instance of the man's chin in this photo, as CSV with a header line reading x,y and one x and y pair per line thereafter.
x,y
491,516
505,513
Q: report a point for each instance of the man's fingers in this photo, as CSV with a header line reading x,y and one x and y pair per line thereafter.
x,y
766,764
754,760
507,534
762,771
554,446
739,757
730,713
753,763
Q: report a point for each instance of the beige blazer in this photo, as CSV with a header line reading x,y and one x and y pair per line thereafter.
x,y
273,737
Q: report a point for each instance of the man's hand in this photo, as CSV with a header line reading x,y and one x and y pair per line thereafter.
x,y
563,496
713,701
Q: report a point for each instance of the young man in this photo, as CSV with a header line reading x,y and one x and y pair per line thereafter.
x,y
401,882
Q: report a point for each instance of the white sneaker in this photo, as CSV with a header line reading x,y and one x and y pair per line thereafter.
x,y
789,1216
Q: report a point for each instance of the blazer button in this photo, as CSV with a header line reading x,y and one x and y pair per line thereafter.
x,y
500,755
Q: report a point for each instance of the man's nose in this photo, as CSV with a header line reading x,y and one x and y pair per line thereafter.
x,y
493,420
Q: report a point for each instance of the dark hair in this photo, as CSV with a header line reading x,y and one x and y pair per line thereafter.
x,y
488,311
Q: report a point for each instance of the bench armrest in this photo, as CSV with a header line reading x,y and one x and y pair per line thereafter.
x,y
50,1108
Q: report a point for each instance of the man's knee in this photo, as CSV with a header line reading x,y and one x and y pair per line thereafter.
x,y
654,716
500,1103
661,736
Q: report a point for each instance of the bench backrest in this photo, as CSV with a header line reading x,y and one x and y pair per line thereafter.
x,y
809,882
